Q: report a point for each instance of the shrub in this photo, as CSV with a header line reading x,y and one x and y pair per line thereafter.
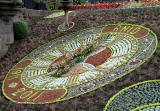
x,y
77,2
20,30
37,1
51,6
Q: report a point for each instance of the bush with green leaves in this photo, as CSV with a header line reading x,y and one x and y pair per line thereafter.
x,y
52,5
20,30
37,1
77,2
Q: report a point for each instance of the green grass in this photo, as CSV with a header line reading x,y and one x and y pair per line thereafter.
x,y
56,14
133,4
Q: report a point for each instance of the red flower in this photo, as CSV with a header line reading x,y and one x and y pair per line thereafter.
x,y
100,5
73,7
82,7
134,1
106,5
87,6
125,2
90,6
79,7
97,6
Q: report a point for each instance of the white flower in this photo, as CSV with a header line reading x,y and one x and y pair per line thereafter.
x,y
13,85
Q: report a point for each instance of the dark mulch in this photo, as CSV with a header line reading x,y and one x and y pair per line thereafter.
x,y
44,30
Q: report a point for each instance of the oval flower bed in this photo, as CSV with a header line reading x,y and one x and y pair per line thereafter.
x,y
78,63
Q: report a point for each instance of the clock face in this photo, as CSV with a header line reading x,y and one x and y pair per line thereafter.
x,y
109,53
78,63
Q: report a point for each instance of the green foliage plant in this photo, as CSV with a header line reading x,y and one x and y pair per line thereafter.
x,y
37,1
20,30
52,5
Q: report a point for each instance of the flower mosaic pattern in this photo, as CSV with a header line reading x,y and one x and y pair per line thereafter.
x,y
117,49
151,108
144,96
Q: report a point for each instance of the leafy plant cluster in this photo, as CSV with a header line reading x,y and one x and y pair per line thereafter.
x,y
63,66
20,30
38,1
78,2
50,4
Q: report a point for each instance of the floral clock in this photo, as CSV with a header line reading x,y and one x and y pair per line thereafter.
x,y
78,63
